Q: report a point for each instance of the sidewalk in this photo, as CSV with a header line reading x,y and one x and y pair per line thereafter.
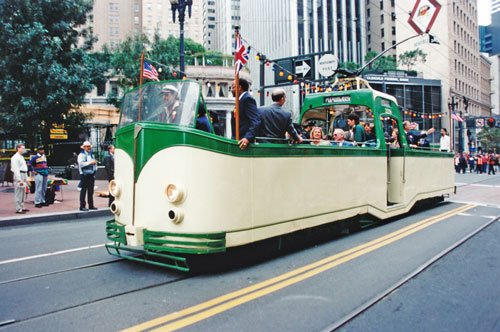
x,y
66,205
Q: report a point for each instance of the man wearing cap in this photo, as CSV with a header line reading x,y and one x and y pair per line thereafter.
x,y
170,104
87,166
39,167
20,170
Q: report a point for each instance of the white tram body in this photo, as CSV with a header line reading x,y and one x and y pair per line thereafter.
x,y
180,190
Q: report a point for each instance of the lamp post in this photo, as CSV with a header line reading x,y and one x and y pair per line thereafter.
x,y
180,5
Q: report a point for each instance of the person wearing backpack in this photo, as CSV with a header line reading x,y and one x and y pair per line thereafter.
x,y
87,166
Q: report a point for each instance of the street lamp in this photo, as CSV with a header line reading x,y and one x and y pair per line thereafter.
x,y
180,5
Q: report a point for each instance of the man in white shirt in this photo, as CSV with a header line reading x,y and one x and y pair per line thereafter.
x,y
444,141
20,170
87,166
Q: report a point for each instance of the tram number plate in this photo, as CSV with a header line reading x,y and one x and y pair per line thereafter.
x,y
337,99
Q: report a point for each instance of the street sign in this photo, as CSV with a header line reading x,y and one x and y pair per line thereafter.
x,y
479,123
423,15
56,133
327,65
302,69
58,136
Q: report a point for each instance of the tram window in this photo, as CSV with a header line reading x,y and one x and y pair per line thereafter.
x,y
332,117
391,132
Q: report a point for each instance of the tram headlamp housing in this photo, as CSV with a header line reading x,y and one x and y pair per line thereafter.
x,y
174,193
114,188
115,208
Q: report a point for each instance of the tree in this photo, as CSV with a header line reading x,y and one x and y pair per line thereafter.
x,y
383,63
410,58
126,59
490,139
45,70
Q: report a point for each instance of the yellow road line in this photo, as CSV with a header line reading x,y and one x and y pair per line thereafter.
x,y
271,285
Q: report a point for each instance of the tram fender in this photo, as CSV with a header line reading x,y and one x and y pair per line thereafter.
x,y
134,235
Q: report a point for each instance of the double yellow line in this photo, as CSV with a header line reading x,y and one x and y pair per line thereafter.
x,y
215,306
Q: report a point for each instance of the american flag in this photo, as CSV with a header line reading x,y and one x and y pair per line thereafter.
x,y
240,56
150,71
456,117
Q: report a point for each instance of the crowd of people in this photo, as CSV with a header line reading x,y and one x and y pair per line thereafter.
x,y
37,165
479,163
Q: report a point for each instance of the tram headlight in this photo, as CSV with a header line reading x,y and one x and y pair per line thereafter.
x,y
174,193
115,208
175,215
114,188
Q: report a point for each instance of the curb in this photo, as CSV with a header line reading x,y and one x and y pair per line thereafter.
x,y
41,218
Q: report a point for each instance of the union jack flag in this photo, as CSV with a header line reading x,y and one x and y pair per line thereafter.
x,y
150,72
456,117
240,56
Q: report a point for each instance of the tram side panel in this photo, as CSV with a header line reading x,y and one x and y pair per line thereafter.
x,y
427,177
297,193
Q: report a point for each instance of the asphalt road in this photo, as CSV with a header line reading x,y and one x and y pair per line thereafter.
x,y
58,277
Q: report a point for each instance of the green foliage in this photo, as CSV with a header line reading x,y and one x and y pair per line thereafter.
x,y
490,139
45,70
410,58
126,60
383,63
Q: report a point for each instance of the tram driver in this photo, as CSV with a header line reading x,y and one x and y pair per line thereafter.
x,y
170,96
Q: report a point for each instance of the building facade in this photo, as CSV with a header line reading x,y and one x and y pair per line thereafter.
x,y
456,60
115,20
221,17
485,87
381,26
286,28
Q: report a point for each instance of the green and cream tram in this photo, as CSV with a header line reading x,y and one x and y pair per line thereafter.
x,y
182,191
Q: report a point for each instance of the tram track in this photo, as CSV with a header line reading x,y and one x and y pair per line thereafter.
x,y
381,296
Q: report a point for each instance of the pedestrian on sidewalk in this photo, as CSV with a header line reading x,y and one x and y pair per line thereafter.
x,y
40,170
109,163
491,164
87,166
20,170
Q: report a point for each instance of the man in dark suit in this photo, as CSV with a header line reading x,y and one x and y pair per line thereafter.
x,y
275,122
248,112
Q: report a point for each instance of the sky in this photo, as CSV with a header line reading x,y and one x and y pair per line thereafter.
x,y
483,12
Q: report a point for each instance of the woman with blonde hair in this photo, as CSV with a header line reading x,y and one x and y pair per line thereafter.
x,y
317,137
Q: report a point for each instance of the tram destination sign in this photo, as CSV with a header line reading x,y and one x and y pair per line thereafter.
x,y
337,99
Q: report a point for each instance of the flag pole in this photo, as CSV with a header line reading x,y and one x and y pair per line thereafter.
x,y
140,85
237,87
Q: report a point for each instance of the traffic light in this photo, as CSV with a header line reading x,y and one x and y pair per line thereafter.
x,y
491,122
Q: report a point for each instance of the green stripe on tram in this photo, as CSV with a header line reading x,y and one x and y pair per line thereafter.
x,y
154,137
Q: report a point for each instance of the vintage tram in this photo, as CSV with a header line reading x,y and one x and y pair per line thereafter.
x,y
181,191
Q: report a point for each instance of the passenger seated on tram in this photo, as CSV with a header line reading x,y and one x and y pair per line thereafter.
x,y
370,131
317,137
202,121
395,139
338,136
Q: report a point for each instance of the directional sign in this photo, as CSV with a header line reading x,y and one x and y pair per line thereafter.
x,y
302,69
327,65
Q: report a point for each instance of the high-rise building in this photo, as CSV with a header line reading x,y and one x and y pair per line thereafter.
x,y
456,60
285,28
220,18
381,26
114,21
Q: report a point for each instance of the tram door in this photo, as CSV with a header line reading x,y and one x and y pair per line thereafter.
x,y
395,161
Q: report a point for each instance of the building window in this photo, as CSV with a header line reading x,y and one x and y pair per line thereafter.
x,y
382,34
368,26
382,46
369,39
101,89
136,19
393,31
136,7
382,4
368,12
382,19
